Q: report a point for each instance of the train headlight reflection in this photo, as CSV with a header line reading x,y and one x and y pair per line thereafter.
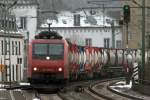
x,y
59,69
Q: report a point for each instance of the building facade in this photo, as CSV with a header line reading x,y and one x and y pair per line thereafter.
x,y
85,30
91,36
11,48
26,19
11,65
26,16
14,36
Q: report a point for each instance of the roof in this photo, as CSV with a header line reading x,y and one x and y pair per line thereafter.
x,y
20,2
66,19
75,4
52,9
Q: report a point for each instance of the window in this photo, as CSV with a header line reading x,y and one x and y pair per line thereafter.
x,y
2,23
23,22
13,25
13,71
7,24
19,48
5,47
88,30
2,47
106,42
96,30
77,20
88,42
118,44
69,31
19,60
12,47
148,11
73,31
130,36
10,24
16,47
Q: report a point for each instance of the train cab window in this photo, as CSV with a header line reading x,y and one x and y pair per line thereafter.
x,y
54,51
40,49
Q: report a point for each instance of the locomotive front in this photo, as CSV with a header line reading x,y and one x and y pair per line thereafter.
x,y
47,62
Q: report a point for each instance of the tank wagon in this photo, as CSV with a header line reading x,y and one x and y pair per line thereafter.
x,y
52,58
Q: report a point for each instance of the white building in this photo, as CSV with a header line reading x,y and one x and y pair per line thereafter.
x,y
85,29
11,49
14,55
26,19
14,62
26,16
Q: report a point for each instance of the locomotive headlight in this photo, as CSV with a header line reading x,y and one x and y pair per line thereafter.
x,y
47,58
35,69
59,69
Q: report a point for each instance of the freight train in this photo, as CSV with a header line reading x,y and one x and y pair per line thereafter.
x,y
52,58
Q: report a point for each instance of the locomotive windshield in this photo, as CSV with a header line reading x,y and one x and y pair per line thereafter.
x,y
54,51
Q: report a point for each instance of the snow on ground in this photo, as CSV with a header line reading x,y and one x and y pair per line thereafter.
x,y
22,84
124,88
36,99
121,86
2,87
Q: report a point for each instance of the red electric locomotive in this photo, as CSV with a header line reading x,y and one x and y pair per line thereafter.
x,y
48,59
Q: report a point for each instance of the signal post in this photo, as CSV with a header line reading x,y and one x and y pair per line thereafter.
x,y
126,20
126,15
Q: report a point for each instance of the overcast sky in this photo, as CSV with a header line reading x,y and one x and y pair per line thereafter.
x,y
73,4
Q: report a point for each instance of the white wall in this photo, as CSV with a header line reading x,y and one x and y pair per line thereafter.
x,y
31,13
96,34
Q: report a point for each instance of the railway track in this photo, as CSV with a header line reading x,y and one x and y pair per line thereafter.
x,y
83,90
35,95
92,90
49,97
101,90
